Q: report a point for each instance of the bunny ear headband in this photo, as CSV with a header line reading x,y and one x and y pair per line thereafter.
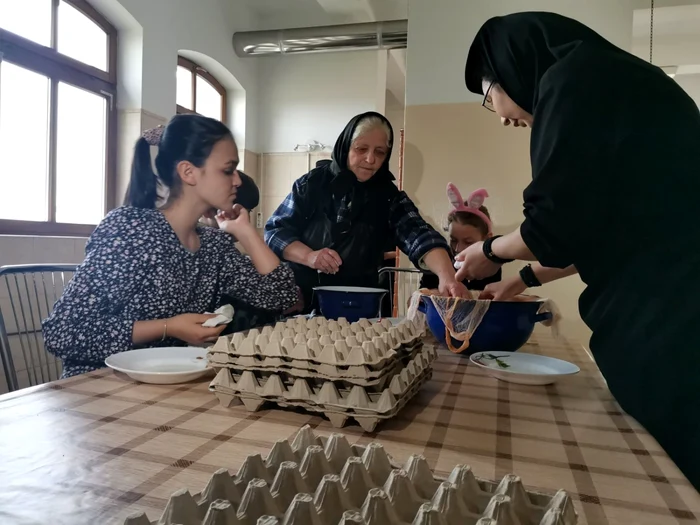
x,y
471,205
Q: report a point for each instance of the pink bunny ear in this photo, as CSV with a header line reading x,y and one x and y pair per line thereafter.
x,y
476,198
454,196
475,201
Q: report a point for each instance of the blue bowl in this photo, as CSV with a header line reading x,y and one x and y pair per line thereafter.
x,y
352,303
506,326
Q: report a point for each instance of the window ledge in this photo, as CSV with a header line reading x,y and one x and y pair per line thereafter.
x,y
53,229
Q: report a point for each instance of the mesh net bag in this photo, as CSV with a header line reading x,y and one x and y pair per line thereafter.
x,y
461,316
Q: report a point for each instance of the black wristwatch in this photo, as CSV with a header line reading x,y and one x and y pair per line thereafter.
x,y
528,276
488,252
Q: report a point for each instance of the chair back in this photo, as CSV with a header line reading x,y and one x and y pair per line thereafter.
x,y
28,293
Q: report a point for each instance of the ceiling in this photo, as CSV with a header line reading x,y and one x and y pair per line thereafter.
x,y
298,13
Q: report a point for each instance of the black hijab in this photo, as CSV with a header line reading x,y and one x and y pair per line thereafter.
x,y
611,133
341,151
517,50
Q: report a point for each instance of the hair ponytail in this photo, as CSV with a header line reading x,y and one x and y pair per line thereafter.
x,y
143,185
188,138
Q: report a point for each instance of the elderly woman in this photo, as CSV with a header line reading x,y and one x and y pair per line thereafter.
x,y
336,223
615,156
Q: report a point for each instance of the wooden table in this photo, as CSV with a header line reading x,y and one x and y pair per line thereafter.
x,y
96,448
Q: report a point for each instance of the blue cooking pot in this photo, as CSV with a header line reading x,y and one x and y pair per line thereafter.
x,y
351,302
506,326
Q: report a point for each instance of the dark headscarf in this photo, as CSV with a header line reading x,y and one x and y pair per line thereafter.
x,y
248,194
517,50
341,150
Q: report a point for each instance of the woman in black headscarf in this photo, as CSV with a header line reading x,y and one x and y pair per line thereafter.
x,y
335,225
615,160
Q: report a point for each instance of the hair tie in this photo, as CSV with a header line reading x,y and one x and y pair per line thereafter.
x,y
153,135
471,205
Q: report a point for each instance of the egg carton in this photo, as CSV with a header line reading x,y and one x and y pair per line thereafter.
x,y
377,376
338,416
324,393
326,481
290,347
338,404
301,344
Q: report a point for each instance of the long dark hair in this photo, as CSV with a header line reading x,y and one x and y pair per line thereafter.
x,y
186,137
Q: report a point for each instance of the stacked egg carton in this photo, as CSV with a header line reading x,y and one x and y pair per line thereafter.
x,y
325,481
366,371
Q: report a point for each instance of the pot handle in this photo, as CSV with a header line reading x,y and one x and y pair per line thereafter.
x,y
544,316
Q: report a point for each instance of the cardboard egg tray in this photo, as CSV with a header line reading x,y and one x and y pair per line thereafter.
x,y
366,375
367,405
326,481
309,343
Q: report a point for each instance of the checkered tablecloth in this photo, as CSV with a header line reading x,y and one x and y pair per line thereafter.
x,y
96,448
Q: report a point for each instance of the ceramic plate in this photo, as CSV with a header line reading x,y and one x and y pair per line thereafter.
x,y
522,368
161,366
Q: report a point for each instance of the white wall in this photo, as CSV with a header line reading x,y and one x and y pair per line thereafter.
x,y
154,32
676,42
441,31
312,97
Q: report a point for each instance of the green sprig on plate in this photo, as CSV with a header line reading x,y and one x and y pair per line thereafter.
x,y
499,360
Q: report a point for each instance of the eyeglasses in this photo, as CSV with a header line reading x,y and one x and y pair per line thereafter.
x,y
487,103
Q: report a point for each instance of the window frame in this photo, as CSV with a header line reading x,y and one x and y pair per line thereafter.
x,y
49,62
195,70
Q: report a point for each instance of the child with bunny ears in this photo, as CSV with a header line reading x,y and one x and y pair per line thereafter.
x,y
468,222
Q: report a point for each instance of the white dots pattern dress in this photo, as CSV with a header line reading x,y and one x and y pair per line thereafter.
x,y
136,269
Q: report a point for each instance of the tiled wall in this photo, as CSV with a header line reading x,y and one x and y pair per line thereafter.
x,y
32,250
278,171
251,167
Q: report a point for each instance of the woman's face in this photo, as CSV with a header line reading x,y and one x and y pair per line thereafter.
x,y
368,153
505,107
217,182
462,236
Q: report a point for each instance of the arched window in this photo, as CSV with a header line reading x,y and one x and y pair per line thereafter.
x,y
57,117
198,91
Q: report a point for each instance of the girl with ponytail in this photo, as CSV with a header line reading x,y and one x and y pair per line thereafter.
x,y
151,271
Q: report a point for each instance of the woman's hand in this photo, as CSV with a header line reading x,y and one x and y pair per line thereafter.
x,y
475,265
504,290
209,219
234,221
188,328
453,288
324,260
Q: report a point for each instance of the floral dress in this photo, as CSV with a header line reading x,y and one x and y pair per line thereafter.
x,y
136,269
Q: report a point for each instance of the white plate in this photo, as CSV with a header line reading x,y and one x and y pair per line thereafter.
x,y
161,366
524,369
